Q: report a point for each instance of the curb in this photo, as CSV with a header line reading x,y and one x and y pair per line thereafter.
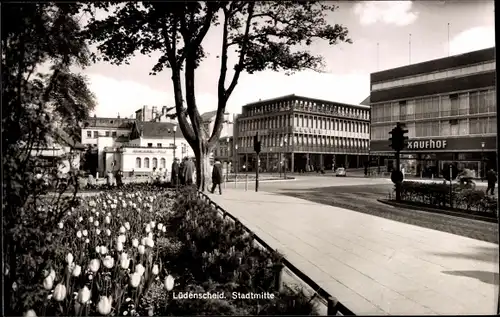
x,y
438,211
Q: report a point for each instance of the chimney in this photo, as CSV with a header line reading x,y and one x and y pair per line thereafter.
x,y
95,116
118,115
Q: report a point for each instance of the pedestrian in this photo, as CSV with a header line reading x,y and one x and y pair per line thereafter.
x,y
174,179
188,171
216,177
119,178
182,180
108,178
491,176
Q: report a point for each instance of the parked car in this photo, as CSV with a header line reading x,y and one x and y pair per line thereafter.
x,y
340,172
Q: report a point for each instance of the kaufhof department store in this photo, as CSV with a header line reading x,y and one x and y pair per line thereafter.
x,y
448,106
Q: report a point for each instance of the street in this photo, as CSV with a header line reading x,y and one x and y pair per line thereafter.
x,y
361,194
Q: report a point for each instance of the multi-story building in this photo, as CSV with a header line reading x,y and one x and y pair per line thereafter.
x,y
223,150
448,106
116,128
301,133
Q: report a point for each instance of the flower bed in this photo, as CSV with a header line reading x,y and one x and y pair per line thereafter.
x,y
127,251
438,195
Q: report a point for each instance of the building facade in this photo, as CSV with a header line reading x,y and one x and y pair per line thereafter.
x,y
300,134
448,106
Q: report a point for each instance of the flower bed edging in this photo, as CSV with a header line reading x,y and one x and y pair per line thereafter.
x,y
415,206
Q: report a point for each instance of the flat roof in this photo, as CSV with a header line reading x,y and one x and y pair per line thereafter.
x,y
297,97
454,61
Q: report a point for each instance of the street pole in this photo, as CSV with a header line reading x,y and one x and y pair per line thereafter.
x,y
284,160
398,184
451,186
236,164
482,161
279,162
257,173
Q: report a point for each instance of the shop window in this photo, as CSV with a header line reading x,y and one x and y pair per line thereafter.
x,y
89,134
150,144
158,144
113,134
107,133
96,134
155,162
146,162
138,162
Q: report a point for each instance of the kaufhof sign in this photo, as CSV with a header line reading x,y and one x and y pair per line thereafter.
x,y
426,144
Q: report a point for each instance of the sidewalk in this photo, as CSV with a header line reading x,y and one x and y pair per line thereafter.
x,y
373,265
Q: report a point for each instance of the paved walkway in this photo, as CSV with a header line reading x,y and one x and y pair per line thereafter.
x,y
373,265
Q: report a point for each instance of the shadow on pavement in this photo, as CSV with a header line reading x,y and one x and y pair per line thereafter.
x,y
484,254
483,276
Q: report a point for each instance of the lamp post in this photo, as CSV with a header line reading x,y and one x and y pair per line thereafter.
x,y
482,159
280,163
284,159
227,165
236,162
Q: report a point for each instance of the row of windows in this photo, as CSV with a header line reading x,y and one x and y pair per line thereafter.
x,y
411,80
475,102
308,140
304,121
95,134
140,162
310,106
159,145
441,128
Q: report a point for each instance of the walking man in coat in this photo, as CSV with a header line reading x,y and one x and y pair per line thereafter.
x,y
188,171
491,176
216,177
174,179
181,172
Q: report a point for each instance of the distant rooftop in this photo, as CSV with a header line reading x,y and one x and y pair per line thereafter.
x,y
158,130
99,122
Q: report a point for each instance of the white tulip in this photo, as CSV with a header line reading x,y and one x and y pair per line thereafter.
x,y
98,249
108,262
119,246
105,304
135,279
69,258
160,226
140,269
80,219
96,223
48,282
155,269
124,261
87,241
164,229
122,229
122,238
94,265
108,232
141,249
61,225
85,233
91,219
30,313
104,250
143,240
79,234
107,220
169,283
60,292
153,224
148,228
84,295
98,231
135,242
127,225
150,242
77,270
150,235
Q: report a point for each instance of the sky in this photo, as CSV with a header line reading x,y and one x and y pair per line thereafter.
x,y
346,77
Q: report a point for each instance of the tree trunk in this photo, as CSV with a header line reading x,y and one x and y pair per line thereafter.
x,y
202,167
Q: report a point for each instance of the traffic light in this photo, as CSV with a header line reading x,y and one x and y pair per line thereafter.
x,y
256,143
398,140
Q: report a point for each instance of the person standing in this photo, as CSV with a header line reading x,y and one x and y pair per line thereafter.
x,y
174,178
216,177
182,166
188,171
491,176
119,178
